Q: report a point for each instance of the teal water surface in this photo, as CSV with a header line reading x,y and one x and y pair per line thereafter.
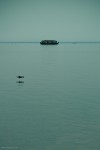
x,y
57,104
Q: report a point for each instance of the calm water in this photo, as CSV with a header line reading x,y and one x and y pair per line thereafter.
x,y
57,105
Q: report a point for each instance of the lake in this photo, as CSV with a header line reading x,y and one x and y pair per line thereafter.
x,y
56,106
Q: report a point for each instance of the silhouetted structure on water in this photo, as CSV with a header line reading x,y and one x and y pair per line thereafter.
x,y
49,42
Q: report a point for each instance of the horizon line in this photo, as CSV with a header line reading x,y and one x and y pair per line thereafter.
x,y
74,42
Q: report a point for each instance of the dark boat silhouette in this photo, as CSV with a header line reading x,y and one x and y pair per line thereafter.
x,y
20,77
49,42
20,82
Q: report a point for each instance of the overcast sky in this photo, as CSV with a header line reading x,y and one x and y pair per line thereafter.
x,y
62,20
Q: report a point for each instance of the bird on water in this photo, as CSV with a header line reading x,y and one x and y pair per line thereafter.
x,y
20,77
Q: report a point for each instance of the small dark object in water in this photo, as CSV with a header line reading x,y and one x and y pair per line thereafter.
x,y
49,42
20,82
20,77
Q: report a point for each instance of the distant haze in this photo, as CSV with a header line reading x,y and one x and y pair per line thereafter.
x,y
63,20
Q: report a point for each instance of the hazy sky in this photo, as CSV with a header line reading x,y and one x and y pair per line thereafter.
x,y
63,20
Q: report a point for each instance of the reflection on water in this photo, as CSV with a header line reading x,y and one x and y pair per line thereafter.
x,y
57,105
20,83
